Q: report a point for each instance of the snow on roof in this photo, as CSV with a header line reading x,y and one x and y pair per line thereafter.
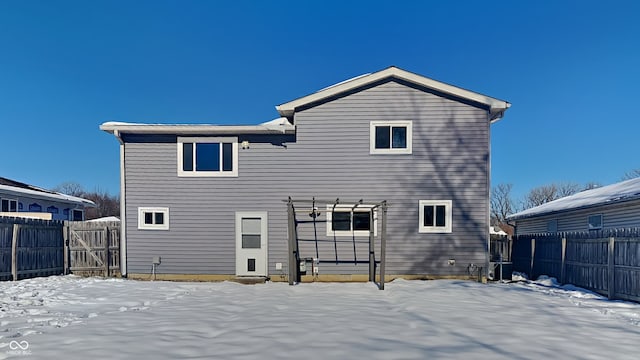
x,y
47,194
279,125
495,230
105,219
618,192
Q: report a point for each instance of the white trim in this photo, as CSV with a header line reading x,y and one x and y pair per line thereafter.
x,y
448,204
153,210
347,208
372,137
590,227
497,107
123,208
212,139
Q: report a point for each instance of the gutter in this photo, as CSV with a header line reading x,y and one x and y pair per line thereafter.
x,y
123,208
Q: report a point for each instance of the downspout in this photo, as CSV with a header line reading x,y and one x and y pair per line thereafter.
x,y
123,209
487,222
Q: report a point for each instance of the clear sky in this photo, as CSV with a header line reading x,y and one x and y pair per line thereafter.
x,y
569,68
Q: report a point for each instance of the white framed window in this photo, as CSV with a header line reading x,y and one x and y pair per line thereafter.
x,y
552,225
9,205
435,216
153,218
77,215
343,220
390,137
208,156
595,222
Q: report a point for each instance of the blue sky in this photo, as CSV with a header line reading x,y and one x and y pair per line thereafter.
x,y
569,68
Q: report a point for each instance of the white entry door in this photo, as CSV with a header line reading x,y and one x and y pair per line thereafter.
x,y
251,243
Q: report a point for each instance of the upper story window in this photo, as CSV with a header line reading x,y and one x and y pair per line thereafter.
x,y
595,222
208,156
390,137
153,218
435,216
344,220
9,205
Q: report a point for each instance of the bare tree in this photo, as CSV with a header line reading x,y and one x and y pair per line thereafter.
x,y
540,195
567,188
501,202
591,185
631,174
106,204
70,188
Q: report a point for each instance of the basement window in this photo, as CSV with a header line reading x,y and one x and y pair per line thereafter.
x,y
390,137
208,156
153,218
434,216
595,222
343,221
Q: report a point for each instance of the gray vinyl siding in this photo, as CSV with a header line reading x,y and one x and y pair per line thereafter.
x,y
328,158
621,215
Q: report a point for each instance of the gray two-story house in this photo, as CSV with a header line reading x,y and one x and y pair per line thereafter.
x,y
209,200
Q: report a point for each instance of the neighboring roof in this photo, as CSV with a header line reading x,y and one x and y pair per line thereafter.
x,y
496,107
495,230
611,194
105,219
276,126
17,187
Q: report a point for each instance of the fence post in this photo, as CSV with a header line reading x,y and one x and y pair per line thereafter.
x,y
562,261
14,251
65,247
106,251
533,254
611,269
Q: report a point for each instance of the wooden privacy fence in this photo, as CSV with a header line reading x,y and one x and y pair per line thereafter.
x,y
607,262
32,248
93,248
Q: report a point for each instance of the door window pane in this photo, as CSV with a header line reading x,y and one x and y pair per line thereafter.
x,y
251,226
250,241
383,137
207,157
399,138
251,264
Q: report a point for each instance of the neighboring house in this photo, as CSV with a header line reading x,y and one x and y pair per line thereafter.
x,y
207,201
20,199
608,207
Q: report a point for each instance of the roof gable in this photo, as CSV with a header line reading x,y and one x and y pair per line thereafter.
x,y
619,192
495,107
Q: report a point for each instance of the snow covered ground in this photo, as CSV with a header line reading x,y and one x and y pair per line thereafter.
x,y
68,317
